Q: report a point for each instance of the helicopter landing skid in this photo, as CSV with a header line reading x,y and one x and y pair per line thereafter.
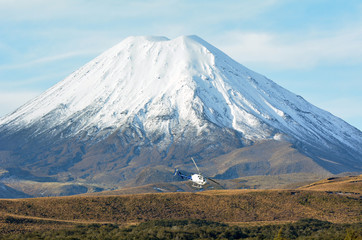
x,y
196,185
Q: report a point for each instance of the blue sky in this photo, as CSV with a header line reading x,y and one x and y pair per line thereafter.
x,y
311,47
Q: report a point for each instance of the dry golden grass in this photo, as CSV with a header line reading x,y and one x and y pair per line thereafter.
x,y
237,207
350,184
220,205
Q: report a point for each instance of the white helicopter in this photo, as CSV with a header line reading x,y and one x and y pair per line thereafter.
x,y
198,180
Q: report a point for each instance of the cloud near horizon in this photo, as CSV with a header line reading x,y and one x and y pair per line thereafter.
x,y
289,51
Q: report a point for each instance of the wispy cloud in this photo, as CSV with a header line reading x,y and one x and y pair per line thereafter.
x,y
293,50
45,60
29,83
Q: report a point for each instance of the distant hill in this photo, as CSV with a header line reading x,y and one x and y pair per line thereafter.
x,y
8,192
155,180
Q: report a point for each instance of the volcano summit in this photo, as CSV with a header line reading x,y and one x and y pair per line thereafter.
x,y
149,103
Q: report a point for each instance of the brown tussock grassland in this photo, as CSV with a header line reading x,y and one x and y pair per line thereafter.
x,y
235,207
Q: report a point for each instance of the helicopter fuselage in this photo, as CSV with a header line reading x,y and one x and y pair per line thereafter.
x,y
198,179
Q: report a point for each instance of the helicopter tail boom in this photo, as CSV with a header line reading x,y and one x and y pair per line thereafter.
x,y
178,173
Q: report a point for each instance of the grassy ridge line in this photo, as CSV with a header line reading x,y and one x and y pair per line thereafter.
x,y
350,184
221,206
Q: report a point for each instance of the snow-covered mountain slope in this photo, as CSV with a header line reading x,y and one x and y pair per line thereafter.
x,y
159,92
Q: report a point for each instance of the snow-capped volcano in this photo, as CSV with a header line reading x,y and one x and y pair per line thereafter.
x,y
149,77
152,94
